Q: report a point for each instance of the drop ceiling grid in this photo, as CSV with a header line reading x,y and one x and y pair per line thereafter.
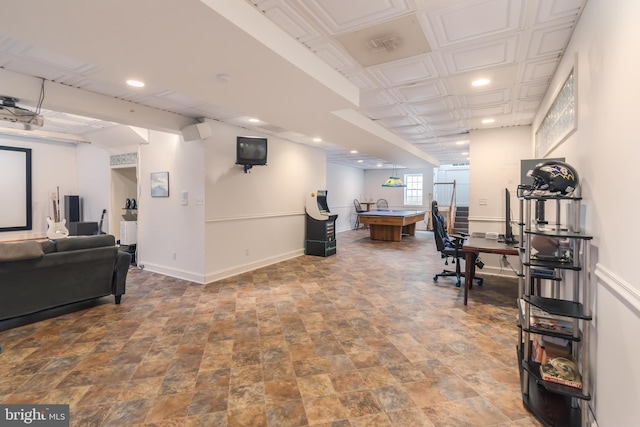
x,y
469,20
339,17
405,71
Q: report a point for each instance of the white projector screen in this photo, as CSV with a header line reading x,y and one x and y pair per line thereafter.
x,y
15,188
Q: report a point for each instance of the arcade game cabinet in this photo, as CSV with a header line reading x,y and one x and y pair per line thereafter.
x,y
321,226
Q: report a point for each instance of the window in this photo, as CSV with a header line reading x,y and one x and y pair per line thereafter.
x,y
413,190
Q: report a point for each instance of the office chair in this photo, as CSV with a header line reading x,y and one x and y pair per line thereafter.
x,y
359,209
382,205
448,246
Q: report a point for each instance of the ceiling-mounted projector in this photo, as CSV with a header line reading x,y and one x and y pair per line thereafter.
x,y
21,116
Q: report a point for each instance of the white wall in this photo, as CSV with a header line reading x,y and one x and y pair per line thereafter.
x,y
166,226
344,184
605,152
94,183
53,165
495,165
258,218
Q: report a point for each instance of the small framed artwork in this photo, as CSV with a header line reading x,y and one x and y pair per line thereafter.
x,y
160,184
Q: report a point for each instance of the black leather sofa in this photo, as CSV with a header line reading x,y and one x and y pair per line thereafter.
x,y
36,276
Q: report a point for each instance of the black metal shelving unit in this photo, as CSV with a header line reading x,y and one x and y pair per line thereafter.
x,y
562,288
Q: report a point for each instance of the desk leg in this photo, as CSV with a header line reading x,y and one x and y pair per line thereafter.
x,y
469,272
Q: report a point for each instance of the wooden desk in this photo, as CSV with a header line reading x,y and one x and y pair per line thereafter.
x,y
391,225
368,205
472,247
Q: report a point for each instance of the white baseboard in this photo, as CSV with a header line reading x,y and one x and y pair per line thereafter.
x,y
173,272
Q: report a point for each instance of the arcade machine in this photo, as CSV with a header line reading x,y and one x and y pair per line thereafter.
x,y
321,226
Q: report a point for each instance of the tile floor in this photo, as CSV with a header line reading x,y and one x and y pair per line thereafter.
x,y
362,338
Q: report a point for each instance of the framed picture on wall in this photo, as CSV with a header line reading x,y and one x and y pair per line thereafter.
x,y
160,184
15,188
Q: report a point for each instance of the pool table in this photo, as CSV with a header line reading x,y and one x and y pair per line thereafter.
x,y
391,225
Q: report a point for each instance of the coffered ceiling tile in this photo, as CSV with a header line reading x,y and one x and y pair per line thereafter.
x,y
338,16
489,111
539,70
545,41
386,42
527,105
405,71
409,130
289,19
502,77
468,20
486,98
534,90
448,128
399,121
442,104
551,10
443,116
419,92
475,56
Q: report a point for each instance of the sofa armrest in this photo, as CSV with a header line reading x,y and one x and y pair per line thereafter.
x,y
123,260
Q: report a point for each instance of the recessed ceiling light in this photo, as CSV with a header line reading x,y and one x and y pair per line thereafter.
x,y
461,142
317,139
486,121
135,83
481,82
354,151
466,153
360,161
254,120
379,165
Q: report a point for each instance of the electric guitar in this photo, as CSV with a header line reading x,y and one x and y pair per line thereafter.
x,y
57,228
104,211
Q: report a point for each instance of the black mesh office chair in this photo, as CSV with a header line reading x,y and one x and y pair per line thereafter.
x,y
382,205
449,246
358,208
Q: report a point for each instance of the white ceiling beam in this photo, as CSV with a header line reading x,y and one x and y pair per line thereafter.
x,y
58,97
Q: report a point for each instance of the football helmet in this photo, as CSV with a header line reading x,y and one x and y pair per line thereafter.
x,y
554,177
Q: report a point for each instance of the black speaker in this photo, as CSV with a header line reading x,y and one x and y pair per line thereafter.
x,y
72,208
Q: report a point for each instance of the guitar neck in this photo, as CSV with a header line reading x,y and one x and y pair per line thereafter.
x,y
56,212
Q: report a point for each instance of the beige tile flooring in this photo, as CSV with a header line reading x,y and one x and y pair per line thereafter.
x,y
362,338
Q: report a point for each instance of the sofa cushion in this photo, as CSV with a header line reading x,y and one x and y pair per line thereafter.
x,y
48,246
85,242
19,251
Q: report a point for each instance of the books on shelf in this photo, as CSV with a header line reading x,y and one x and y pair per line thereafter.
x,y
562,371
545,348
541,320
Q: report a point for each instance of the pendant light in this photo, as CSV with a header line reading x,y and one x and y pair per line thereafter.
x,y
394,181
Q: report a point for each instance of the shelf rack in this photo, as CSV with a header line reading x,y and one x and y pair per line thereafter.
x,y
554,404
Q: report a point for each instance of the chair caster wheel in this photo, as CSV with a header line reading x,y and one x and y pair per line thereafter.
x,y
480,282
435,278
458,284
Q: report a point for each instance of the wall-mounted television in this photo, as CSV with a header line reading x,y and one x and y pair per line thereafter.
x,y
251,151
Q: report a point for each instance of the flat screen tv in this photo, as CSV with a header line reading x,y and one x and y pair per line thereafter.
x,y
251,151
509,238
